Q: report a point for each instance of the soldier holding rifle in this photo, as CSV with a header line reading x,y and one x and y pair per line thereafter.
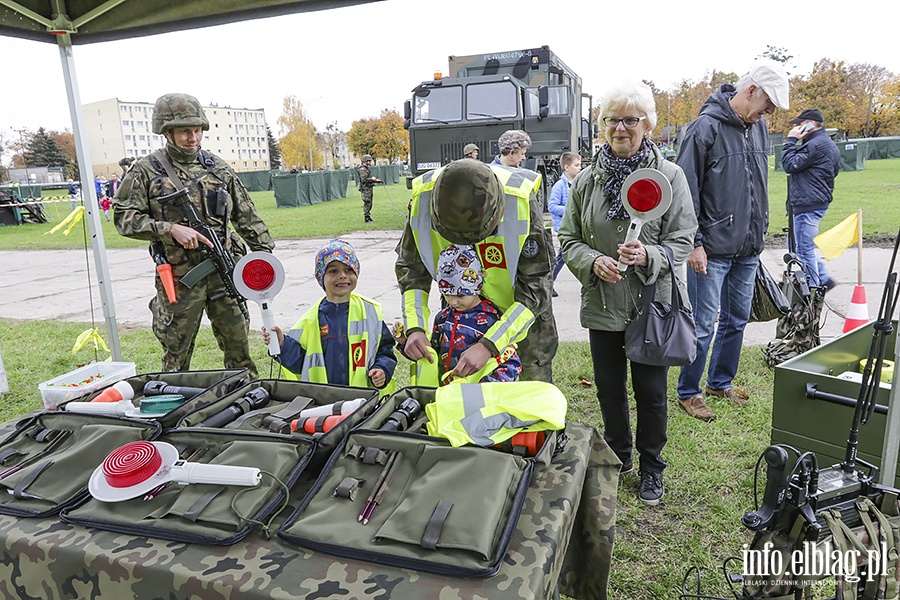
x,y
149,207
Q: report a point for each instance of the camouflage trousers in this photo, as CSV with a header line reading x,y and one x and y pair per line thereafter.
x,y
176,325
367,202
538,349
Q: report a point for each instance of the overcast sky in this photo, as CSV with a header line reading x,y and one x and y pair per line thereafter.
x,y
350,63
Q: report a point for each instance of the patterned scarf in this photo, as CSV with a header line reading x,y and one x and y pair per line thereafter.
x,y
618,169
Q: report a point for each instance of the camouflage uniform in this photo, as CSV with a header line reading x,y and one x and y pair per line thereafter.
x,y
564,536
366,183
137,214
533,287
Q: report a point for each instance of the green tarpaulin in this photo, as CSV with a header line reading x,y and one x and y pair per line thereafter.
x,y
256,181
304,189
387,173
881,147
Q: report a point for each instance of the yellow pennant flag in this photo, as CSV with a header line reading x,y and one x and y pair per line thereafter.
x,y
90,336
833,242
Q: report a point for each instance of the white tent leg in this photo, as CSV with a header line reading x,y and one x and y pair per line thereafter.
x,y
89,195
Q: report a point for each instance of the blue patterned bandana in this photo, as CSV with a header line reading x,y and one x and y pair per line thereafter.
x,y
335,250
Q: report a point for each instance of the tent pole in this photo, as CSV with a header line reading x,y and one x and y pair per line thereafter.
x,y
89,193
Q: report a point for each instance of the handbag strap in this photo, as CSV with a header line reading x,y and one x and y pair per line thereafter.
x,y
649,292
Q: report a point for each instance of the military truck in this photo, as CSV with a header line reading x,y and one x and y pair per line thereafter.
x,y
487,94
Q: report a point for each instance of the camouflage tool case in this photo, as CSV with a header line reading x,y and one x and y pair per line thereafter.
x,y
45,464
203,513
444,510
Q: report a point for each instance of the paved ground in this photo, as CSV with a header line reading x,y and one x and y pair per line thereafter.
x,y
56,284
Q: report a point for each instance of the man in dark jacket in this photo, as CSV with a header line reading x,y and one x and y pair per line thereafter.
x,y
725,157
812,167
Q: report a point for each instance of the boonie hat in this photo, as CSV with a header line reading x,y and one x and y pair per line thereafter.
x,y
773,80
810,114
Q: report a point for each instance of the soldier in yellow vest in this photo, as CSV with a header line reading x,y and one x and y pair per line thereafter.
x,y
495,209
342,338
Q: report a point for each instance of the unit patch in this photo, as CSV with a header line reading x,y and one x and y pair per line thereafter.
x,y
531,248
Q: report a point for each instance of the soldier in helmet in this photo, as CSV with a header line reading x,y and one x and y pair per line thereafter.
x,y
366,183
470,151
470,202
220,199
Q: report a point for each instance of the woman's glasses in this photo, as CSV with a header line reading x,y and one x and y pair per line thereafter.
x,y
629,122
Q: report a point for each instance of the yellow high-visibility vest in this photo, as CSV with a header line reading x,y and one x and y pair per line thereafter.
x,y
427,374
499,253
363,335
485,414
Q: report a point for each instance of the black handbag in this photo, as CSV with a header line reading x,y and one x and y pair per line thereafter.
x,y
662,334
769,301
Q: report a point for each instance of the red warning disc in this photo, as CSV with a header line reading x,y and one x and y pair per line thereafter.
x,y
131,464
258,275
644,195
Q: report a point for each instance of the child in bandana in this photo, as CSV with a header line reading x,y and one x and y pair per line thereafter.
x,y
342,338
467,316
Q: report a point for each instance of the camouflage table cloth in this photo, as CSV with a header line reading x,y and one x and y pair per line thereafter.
x,y
564,535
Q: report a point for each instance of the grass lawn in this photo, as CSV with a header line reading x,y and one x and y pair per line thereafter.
x,y
710,476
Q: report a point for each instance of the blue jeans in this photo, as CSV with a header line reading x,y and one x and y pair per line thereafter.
x,y
806,227
559,264
726,292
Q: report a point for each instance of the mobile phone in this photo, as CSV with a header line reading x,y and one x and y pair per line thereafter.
x,y
806,127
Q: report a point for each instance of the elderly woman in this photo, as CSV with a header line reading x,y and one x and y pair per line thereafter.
x,y
592,233
513,145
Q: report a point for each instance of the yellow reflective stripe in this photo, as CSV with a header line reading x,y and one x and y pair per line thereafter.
x,y
512,327
480,428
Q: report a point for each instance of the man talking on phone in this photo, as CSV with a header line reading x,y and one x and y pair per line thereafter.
x,y
812,167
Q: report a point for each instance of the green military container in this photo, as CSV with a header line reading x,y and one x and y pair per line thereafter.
x,y
823,426
853,155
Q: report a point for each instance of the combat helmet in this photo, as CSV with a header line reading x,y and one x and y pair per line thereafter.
x,y
366,157
178,110
467,201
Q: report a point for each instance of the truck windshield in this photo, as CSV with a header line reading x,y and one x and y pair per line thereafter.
x,y
491,100
441,105
558,101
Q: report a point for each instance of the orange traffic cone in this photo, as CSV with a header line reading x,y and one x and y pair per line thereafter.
x,y
858,313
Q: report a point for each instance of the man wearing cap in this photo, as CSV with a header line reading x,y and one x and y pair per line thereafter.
x,y
470,151
366,183
724,156
219,198
495,209
812,167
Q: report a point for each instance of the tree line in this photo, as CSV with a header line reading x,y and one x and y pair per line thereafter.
x,y
861,99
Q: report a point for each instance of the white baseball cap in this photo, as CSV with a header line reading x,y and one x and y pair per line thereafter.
x,y
770,76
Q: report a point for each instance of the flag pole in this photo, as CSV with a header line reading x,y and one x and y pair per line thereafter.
x,y
859,248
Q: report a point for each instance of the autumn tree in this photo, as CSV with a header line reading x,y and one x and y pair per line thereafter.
x,y
66,142
298,139
42,150
383,137
333,139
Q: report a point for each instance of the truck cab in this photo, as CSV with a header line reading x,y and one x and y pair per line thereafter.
x,y
486,95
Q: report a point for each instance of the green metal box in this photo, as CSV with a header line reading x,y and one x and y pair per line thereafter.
x,y
822,426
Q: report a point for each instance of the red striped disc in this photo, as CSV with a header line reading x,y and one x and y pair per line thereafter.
x,y
258,275
131,464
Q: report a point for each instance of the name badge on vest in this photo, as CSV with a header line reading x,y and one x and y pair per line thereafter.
x,y
323,330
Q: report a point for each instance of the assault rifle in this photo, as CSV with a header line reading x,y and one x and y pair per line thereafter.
x,y
217,258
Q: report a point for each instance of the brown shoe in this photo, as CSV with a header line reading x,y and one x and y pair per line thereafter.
x,y
739,397
697,408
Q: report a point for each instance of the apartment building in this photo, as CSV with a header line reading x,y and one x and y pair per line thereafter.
x,y
116,129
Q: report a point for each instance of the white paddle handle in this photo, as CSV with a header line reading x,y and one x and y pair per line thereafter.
x,y
634,230
122,408
269,322
185,472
